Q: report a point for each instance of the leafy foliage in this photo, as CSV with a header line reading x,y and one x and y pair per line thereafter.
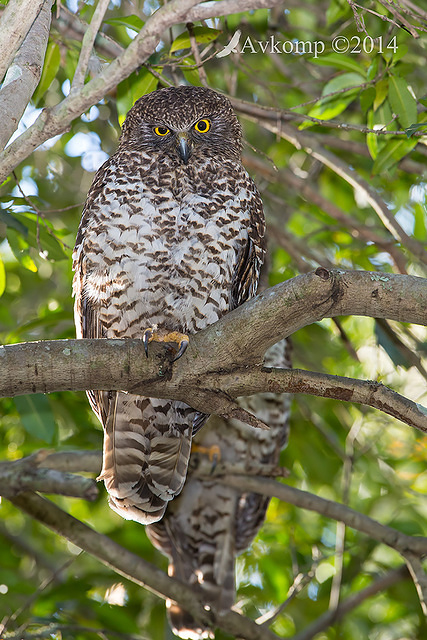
x,y
366,109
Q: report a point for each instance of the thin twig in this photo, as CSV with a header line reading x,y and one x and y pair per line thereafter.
x,y
419,577
54,577
300,582
87,44
395,539
136,569
352,602
342,169
196,54
40,214
286,115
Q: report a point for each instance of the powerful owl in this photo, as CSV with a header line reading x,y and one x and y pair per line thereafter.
x,y
210,523
171,239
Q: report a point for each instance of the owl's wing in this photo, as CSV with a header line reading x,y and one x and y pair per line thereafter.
x,y
210,523
251,257
86,318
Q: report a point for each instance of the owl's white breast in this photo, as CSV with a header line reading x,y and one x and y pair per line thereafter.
x,y
169,264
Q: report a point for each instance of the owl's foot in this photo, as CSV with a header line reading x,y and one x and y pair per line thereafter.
x,y
213,452
152,335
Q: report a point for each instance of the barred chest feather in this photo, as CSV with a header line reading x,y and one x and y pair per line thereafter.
x,y
161,244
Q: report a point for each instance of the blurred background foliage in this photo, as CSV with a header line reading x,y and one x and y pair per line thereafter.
x,y
342,452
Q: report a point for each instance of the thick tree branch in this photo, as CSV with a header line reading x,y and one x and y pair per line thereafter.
x,y
203,11
15,23
18,476
136,569
71,26
24,74
87,44
29,474
367,392
256,481
222,362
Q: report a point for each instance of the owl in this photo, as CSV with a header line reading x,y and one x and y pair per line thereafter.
x,y
210,523
171,238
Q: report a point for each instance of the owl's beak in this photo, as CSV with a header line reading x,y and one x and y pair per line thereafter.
x,y
184,146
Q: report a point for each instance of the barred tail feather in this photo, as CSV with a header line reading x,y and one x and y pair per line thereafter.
x,y
184,625
216,584
146,450
198,535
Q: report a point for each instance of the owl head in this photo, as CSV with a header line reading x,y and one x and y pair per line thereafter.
x,y
184,123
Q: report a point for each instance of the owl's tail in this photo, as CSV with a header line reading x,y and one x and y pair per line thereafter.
x,y
217,591
184,625
197,534
147,445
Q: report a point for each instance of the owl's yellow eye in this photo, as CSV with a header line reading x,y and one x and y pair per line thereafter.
x,y
202,126
161,131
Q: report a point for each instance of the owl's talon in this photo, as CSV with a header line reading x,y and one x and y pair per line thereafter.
x,y
154,335
213,452
147,337
183,344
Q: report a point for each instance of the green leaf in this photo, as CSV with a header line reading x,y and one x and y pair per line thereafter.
x,y
381,92
393,151
372,144
367,98
132,88
373,69
343,81
401,52
28,263
36,235
402,101
382,117
2,277
51,65
36,416
10,221
336,10
340,62
191,75
131,22
390,347
420,228
201,34
414,128
40,239
332,105
19,248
